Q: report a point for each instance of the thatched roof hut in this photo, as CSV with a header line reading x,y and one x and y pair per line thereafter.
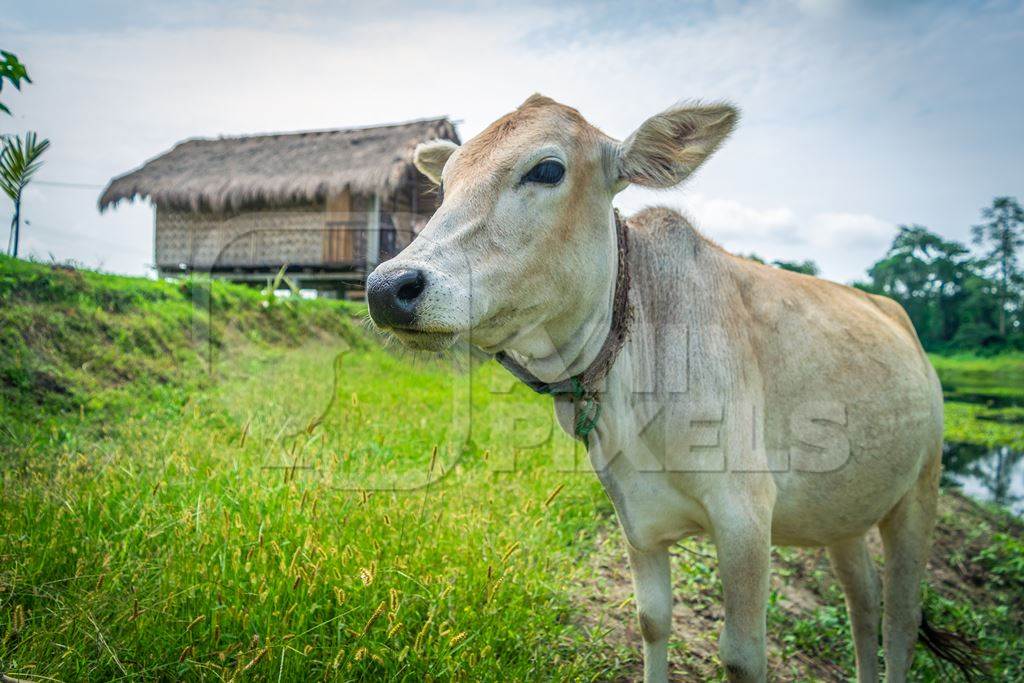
x,y
211,193
230,173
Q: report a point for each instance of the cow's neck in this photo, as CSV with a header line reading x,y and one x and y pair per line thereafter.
x,y
570,346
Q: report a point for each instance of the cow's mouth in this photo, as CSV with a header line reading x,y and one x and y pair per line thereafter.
x,y
425,340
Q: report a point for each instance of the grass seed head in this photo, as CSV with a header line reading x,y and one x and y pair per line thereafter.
x,y
195,621
255,660
366,575
374,617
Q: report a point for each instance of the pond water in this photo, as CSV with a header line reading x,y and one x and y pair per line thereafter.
x,y
990,473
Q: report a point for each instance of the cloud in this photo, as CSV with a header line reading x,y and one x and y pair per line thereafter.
x,y
842,231
732,222
843,244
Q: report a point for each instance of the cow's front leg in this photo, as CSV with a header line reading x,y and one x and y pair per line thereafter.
x,y
743,540
652,583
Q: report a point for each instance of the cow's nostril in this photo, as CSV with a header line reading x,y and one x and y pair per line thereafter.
x,y
393,296
411,290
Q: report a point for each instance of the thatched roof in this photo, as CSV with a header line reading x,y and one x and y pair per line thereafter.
x,y
228,173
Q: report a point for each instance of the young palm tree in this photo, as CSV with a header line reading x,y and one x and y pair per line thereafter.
x,y
19,160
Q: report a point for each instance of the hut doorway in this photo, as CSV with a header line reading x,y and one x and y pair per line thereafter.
x,y
339,242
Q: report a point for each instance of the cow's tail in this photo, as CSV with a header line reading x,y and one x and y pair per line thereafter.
x,y
953,648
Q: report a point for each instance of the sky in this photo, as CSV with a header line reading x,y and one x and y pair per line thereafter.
x,y
857,116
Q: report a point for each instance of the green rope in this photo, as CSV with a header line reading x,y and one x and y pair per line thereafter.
x,y
588,410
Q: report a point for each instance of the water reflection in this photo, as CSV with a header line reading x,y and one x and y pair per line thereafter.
x,y
993,474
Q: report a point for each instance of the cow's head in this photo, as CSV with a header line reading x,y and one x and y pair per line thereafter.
x,y
522,248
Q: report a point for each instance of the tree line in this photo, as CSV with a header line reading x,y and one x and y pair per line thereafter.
x,y
960,300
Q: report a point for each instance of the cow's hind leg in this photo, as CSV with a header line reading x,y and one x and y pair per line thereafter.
x,y
852,564
652,581
906,539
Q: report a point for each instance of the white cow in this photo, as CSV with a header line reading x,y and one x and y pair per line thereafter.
x,y
716,395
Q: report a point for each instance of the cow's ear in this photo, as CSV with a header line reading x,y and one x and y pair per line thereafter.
x,y
668,147
430,157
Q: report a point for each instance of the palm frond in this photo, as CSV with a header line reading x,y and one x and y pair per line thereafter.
x,y
19,161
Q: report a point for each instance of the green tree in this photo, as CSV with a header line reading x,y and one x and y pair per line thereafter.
x,y
807,267
1003,235
978,317
19,161
926,274
12,71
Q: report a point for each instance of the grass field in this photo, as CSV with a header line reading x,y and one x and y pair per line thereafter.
x,y
243,496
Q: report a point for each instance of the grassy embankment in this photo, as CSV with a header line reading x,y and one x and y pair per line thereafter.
x,y
266,519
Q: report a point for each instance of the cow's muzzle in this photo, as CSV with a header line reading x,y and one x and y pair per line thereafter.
x,y
393,294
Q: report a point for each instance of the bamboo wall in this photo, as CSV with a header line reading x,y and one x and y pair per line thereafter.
x,y
263,237
329,234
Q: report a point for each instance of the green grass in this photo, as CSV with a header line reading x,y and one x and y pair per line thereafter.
x,y
171,549
163,521
969,423
984,399
1008,366
238,491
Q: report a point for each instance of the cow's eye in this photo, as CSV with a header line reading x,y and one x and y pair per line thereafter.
x,y
547,172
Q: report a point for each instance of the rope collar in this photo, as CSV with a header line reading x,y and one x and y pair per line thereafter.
x,y
583,389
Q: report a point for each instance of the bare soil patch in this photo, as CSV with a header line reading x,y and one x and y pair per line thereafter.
x,y
802,584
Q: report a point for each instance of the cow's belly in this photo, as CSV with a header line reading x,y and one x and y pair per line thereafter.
x,y
891,406
887,449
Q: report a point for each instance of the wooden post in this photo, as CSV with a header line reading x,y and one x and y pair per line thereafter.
x,y
373,233
156,240
415,185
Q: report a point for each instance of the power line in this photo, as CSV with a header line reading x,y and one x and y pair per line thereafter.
x,y
77,185
62,234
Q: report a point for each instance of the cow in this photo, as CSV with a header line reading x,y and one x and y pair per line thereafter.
x,y
715,395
